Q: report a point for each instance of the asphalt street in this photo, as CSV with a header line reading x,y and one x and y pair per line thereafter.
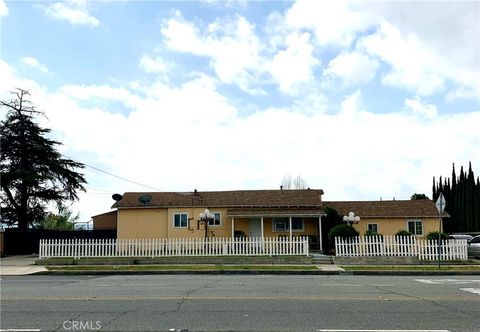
x,y
239,303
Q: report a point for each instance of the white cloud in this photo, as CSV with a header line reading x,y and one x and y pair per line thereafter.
x,y
3,8
74,11
417,106
427,50
294,66
191,136
353,68
33,62
333,22
11,80
412,64
231,45
421,50
154,65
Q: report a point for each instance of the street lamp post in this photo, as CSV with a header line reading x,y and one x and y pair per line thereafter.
x,y
351,219
205,217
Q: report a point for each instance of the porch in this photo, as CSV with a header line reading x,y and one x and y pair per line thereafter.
x,y
280,224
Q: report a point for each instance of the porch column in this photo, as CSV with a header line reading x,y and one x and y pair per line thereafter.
x,y
320,233
261,221
233,227
290,226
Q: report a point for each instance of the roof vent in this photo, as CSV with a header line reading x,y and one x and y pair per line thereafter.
x,y
145,199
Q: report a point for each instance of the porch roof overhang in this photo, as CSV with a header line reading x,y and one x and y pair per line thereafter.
x,y
246,213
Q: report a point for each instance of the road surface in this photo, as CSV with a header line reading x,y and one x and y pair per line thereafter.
x,y
239,303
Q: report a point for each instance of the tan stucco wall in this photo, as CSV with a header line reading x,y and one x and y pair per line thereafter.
x,y
106,221
195,229
142,223
390,226
242,224
159,223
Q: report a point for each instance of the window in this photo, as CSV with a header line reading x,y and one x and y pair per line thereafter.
x,y
475,240
372,228
297,224
415,227
217,219
281,224
180,220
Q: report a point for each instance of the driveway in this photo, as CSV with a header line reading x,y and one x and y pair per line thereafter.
x,y
19,265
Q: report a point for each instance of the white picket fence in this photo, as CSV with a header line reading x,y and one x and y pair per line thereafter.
x,y
78,248
391,245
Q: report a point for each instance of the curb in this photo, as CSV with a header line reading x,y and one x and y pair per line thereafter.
x,y
261,272
415,273
186,272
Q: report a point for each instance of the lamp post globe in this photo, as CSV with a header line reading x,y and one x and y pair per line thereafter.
x,y
351,218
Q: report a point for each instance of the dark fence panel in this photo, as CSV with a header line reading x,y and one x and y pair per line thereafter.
x,y
27,242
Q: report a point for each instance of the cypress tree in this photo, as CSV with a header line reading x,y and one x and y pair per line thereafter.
x,y
462,194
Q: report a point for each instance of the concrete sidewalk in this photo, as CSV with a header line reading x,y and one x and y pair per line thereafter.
x,y
19,265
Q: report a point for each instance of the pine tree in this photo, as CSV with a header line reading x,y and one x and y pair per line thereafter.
x,y
33,172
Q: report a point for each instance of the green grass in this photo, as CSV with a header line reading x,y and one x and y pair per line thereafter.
x,y
189,267
411,268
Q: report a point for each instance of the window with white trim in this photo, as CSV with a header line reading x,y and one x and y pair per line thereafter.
x,y
180,220
415,227
217,219
372,228
282,224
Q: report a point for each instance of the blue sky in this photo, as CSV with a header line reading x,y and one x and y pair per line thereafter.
x,y
362,99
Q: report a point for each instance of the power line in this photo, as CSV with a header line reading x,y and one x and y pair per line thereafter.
x,y
116,176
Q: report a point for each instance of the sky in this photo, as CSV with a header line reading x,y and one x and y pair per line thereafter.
x,y
365,100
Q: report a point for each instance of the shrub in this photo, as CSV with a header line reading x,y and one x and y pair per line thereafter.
x,y
403,233
369,232
434,236
342,231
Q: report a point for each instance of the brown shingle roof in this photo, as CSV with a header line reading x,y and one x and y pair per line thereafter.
x,y
387,209
238,198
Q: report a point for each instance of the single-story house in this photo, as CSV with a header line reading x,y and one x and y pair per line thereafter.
x,y
419,217
250,213
256,213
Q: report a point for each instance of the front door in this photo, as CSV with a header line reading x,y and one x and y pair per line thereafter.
x,y
255,227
